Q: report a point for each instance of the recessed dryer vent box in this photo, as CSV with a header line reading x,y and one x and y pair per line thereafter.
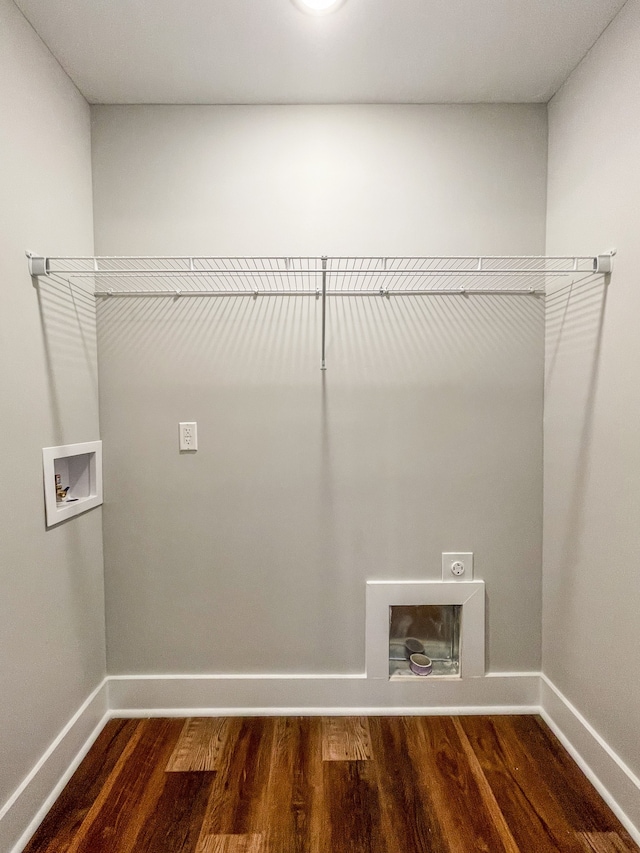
x,y
79,469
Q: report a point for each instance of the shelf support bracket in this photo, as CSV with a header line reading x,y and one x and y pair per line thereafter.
x,y
324,311
604,263
37,265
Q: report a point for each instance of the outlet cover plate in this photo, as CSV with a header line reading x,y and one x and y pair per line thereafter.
x,y
188,432
466,558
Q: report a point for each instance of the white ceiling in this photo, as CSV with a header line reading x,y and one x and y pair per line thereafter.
x,y
269,52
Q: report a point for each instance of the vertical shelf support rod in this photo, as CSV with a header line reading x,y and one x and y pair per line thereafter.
x,y
324,310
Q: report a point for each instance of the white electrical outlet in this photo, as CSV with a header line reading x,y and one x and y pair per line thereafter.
x,y
188,436
457,567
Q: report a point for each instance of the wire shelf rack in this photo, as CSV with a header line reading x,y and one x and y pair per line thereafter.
x,y
344,276
317,276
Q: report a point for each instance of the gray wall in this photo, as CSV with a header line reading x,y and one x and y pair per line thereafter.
x,y
424,435
591,627
51,607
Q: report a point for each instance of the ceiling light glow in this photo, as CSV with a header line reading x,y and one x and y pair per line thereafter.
x,y
318,7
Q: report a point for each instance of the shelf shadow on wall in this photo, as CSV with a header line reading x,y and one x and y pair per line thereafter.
x,y
67,315
308,482
269,339
575,323
68,323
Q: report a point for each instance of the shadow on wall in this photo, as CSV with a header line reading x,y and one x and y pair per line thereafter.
x,y
69,415
575,317
372,340
425,430
68,323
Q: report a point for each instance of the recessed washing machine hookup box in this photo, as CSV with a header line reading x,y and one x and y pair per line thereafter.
x,y
72,479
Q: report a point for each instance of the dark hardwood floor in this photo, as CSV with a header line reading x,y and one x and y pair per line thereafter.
x,y
329,785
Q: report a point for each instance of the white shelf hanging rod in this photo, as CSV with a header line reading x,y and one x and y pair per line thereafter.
x,y
443,291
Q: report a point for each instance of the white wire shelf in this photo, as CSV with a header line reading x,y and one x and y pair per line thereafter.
x,y
319,276
303,276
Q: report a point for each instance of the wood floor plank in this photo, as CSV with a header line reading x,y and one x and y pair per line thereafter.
x,y
487,800
603,842
132,792
407,811
174,824
466,811
585,810
352,808
232,844
200,745
423,785
345,739
569,789
237,800
109,785
62,823
536,821
294,818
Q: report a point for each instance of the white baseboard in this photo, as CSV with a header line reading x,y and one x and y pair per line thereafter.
x,y
618,786
238,695
25,809
185,695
